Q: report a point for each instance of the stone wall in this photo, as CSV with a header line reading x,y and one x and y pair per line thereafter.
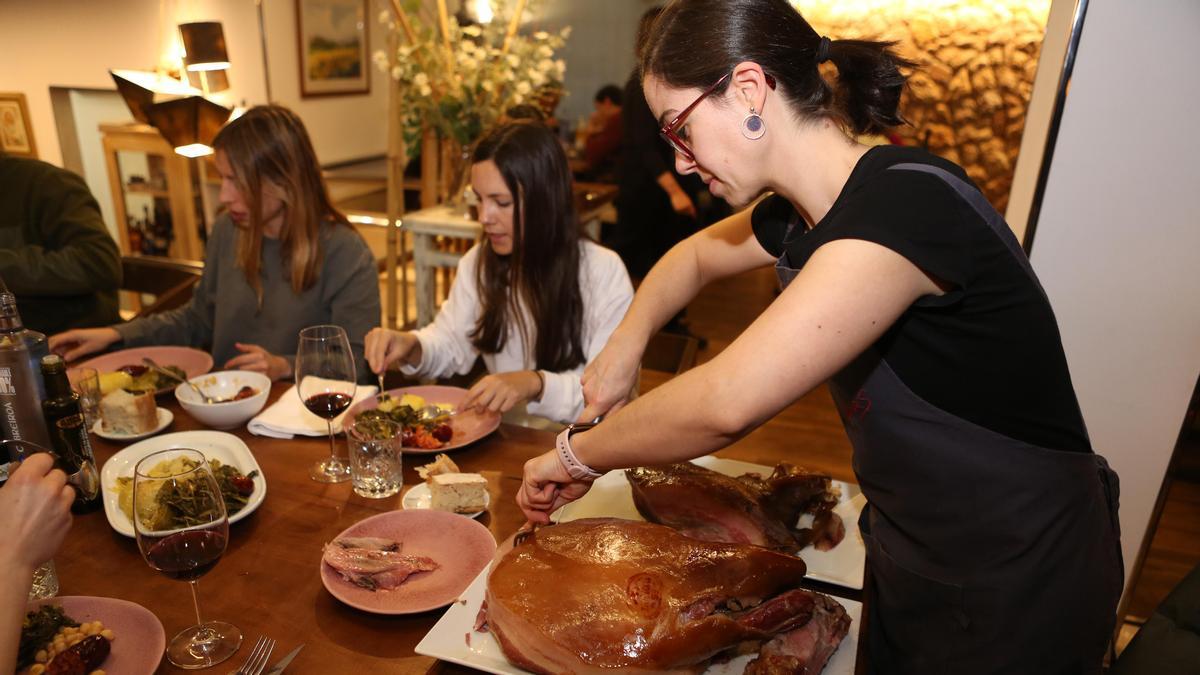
x,y
978,59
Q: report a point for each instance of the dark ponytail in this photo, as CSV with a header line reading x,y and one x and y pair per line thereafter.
x,y
772,34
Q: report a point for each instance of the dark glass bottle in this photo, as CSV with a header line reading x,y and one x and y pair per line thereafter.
x,y
68,433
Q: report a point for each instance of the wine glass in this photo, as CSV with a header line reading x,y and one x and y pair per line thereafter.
x,y
181,527
325,381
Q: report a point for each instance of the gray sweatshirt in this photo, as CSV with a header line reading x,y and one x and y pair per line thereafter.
x,y
224,309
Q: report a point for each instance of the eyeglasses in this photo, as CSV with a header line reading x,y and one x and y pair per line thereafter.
x,y
673,133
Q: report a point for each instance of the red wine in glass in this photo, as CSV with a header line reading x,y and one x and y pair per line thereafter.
x,y
328,405
186,555
325,381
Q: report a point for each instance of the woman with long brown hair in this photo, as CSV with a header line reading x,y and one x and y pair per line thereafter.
x,y
279,259
534,299
991,527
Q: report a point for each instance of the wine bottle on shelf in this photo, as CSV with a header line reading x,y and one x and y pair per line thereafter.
x,y
21,390
64,421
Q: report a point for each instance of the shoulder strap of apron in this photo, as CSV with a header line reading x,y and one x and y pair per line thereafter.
x,y
975,199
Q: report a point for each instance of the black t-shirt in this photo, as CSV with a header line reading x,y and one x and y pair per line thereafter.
x,y
989,350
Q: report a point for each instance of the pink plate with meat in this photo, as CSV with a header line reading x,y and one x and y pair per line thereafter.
x,y
192,361
138,641
460,547
468,426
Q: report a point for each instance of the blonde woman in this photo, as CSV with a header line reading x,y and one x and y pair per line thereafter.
x,y
279,259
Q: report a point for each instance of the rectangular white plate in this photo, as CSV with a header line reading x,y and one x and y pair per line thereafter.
x,y
610,497
225,448
454,638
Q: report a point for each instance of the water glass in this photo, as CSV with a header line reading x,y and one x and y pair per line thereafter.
x,y
45,582
376,461
86,383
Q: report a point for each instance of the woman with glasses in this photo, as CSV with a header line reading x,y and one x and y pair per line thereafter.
x,y
535,299
991,529
280,259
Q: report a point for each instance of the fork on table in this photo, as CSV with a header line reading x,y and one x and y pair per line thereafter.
x,y
257,660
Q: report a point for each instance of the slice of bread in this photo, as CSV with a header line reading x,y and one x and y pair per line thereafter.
x,y
122,412
458,492
440,464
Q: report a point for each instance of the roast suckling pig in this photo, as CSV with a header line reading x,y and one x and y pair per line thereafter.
x,y
373,563
748,509
604,595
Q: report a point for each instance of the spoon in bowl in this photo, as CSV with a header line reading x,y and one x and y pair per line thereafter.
x,y
163,371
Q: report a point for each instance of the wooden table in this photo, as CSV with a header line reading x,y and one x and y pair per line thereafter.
x,y
428,224
268,582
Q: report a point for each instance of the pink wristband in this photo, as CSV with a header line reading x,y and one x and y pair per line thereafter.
x,y
575,468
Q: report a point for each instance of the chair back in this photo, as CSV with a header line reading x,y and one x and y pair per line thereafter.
x,y
169,280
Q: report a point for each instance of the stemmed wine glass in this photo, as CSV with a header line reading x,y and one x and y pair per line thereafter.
x,y
325,380
182,527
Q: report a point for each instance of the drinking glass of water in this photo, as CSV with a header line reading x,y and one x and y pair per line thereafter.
x,y
376,462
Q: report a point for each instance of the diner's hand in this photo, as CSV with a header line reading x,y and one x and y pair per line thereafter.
x,y
547,486
382,347
259,360
500,392
35,514
79,342
608,381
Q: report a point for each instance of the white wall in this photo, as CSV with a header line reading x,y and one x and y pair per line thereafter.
x,y
89,109
73,43
1117,244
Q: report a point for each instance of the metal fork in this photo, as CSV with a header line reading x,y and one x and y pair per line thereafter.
x,y
257,660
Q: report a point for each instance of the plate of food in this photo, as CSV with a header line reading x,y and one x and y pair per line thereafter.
x,y
237,472
115,636
404,562
459,638
124,369
429,416
143,429
445,488
841,564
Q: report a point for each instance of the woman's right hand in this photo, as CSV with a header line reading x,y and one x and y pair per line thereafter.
x,y
382,347
609,380
79,342
35,513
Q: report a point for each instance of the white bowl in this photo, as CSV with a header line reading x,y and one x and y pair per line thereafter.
x,y
221,385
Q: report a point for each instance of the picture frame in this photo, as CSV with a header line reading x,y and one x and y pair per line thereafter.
x,y
16,127
334,47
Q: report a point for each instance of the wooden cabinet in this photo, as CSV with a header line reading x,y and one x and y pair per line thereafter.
x,y
160,198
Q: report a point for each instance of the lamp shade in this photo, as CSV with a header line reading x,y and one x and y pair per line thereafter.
x,y
140,88
204,42
189,124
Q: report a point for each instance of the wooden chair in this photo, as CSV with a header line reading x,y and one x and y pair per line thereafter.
x,y
169,280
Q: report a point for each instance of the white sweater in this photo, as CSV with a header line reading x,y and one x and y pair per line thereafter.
x,y
446,348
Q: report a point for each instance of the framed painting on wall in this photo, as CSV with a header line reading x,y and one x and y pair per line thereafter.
x,y
332,35
16,129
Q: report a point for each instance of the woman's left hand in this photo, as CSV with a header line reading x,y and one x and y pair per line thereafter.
x,y
259,360
546,486
500,392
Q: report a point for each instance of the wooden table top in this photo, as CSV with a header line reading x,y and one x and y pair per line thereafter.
x,y
268,582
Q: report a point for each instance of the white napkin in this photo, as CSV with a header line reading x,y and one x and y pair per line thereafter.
x,y
287,417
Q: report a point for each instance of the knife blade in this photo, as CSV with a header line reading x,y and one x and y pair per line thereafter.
x,y
283,663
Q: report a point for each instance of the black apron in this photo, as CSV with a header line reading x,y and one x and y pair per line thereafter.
x,y
985,554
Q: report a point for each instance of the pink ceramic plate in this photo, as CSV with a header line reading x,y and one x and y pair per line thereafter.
x,y
139,639
468,426
461,546
193,361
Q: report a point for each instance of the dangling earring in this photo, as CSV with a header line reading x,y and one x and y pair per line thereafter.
x,y
753,127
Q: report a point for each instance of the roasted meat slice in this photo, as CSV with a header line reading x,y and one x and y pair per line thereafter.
x,y
748,509
604,595
375,564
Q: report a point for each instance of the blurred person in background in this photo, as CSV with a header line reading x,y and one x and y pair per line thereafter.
x,y
56,255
